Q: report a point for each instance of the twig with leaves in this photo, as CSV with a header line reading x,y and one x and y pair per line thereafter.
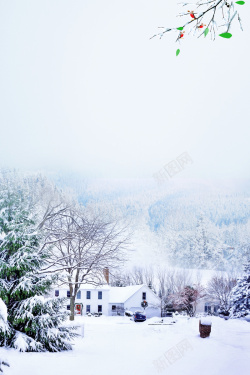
x,y
207,16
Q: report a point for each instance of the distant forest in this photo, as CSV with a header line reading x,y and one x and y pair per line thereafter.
x,y
190,224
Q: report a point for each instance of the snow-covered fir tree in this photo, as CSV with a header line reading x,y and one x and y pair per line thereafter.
x,y
34,322
241,295
202,245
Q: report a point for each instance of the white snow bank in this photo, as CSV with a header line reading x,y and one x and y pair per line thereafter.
x,y
139,348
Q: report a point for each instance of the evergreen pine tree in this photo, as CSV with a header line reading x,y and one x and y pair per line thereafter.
x,y
34,322
241,295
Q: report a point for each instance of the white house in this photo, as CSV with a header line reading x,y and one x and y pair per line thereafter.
x,y
207,305
113,300
131,297
89,299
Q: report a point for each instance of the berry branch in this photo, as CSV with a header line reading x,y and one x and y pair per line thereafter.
x,y
209,13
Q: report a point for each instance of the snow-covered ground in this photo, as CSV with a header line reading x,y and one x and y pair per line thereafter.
x,y
117,345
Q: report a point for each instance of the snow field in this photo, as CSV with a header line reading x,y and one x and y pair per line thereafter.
x,y
117,345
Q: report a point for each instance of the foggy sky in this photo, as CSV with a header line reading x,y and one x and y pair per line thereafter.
x,y
84,88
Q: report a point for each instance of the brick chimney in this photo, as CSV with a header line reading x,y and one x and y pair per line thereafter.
x,y
106,274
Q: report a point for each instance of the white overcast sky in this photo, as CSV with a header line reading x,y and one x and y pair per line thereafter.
x,y
83,88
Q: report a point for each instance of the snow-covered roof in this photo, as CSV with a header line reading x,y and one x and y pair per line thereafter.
x,y
90,286
86,287
122,294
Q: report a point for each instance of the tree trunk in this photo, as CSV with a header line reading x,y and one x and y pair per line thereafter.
x,y
72,304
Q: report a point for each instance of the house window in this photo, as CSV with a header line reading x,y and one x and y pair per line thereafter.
x,y
78,296
68,307
144,296
68,293
207,308
99,295
88,309
216,308
113,307
56,293
99,308
88,295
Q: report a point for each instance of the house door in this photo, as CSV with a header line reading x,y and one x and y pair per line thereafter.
x,y
78,309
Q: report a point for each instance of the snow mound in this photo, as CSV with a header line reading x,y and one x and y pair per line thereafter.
x,y
3,311
20,343
247,317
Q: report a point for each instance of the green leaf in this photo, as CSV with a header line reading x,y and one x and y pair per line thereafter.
x,y
206,31
226,35
180,28
177,52
240,2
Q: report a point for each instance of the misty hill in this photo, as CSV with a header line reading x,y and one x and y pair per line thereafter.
x,y
187,223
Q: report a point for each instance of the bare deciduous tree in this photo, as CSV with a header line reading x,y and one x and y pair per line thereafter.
x,y
171,282
120,278
137,275
179,289
81,247
149,276
220,288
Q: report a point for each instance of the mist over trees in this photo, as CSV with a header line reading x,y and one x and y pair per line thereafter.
x,y
183,224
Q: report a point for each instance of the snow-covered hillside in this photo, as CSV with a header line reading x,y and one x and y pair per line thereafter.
x,y
186,223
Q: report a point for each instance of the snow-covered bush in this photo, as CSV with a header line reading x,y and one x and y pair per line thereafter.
x,y
33,323
128,313
3,327
247,317
3,317
187,298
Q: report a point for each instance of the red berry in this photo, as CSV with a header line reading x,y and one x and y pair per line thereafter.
x,y
192,15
